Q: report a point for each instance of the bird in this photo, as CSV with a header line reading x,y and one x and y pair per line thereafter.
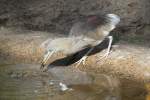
x,y
95,28
66,45
88,31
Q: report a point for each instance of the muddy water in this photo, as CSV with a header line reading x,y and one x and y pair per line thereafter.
x,y
26,82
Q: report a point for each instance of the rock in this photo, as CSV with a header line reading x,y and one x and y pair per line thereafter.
x,y
58,15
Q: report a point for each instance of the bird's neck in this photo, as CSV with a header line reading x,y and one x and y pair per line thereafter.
x,y
104,31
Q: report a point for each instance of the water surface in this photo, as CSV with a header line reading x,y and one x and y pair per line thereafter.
x,y
26,82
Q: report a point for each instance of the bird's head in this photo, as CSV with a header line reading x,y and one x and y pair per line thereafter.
x,y
103,20
113,19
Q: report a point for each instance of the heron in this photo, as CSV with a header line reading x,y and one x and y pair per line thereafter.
x,y
90,30
95,28
66,45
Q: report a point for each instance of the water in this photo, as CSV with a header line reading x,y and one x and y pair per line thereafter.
x,y
14,87
26,82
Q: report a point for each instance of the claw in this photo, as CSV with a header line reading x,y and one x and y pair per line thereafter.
x,y
108,49
82,60
45,69
42,66
106,55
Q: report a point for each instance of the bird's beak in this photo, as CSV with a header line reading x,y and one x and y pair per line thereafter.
x,y
46,57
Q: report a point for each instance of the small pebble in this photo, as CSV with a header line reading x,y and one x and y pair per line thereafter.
x,y
63,86
51,83
35,91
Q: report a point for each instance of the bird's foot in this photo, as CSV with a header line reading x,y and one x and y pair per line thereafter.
x,y
104,57
43,67
82,60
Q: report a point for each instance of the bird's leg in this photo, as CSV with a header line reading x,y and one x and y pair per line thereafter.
x,y
109,47
46,57
83,59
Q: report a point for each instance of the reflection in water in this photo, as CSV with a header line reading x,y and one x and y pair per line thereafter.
x,y
23,82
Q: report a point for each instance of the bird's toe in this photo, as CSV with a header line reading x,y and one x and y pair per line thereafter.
x,y
42,66
45,69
